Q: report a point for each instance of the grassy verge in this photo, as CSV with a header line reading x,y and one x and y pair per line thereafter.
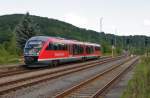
x,y
139,85
7,58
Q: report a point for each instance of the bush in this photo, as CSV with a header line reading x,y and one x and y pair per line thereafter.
x,y
7,56
139,86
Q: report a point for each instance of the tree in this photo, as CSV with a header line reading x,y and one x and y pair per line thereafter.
x,y
146,41
12,49
25,30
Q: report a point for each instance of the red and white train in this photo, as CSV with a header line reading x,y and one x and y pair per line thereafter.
x,y
43,50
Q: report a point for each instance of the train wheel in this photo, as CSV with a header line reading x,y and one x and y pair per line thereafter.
x,y
55,63
84,59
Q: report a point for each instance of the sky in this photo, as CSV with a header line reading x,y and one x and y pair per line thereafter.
x,y
121,17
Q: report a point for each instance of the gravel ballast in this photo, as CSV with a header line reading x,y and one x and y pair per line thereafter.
x,y
54,86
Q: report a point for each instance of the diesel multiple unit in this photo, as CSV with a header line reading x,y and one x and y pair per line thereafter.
x,y
44,50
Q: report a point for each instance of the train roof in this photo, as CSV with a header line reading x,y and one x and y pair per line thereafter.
x,y
42,38
63,40
92,44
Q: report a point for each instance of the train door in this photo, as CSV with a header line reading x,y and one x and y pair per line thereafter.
x,y
70,49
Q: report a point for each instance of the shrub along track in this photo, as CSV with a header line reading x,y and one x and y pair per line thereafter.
x,y
96,85
38,76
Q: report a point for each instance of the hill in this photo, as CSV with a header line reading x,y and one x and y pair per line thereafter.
x,y
53,27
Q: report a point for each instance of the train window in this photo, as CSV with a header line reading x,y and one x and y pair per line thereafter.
x,y
65,47
89,49
34,44
56,46
92,49
77,49
62,47
81,50
49,46
97,48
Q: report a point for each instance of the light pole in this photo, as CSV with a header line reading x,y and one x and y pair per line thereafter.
x,y
146,44
101,24
112,48
115,41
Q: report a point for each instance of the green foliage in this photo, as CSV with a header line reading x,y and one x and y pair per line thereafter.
x,y
7,54
139,86
8,51
12,45
52,27
25,30
106,48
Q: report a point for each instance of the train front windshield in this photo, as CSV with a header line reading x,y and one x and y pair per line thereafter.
x,y
32,48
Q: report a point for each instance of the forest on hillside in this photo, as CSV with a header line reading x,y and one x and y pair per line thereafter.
x,y
52,27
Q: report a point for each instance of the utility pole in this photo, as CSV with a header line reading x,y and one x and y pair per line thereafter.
x,y
146,44
112,44
101,24
115,42
115,37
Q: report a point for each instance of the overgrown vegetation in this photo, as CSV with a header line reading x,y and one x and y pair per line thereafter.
x,y
139,86
11,50
8,54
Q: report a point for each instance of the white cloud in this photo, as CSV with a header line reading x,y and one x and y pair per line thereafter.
x,y
76,20
146,22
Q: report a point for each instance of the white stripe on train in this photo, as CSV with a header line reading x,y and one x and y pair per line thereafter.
x,y
65,58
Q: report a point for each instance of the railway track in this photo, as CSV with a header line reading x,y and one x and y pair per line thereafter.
x,y
10,71
32,80
4,70
96,85
14,72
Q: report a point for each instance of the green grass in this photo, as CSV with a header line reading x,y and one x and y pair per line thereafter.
x,y
7,58
139,85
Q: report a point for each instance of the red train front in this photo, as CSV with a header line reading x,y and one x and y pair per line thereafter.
x,y
42,50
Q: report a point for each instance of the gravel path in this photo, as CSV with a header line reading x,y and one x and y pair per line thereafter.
x,y
53,87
